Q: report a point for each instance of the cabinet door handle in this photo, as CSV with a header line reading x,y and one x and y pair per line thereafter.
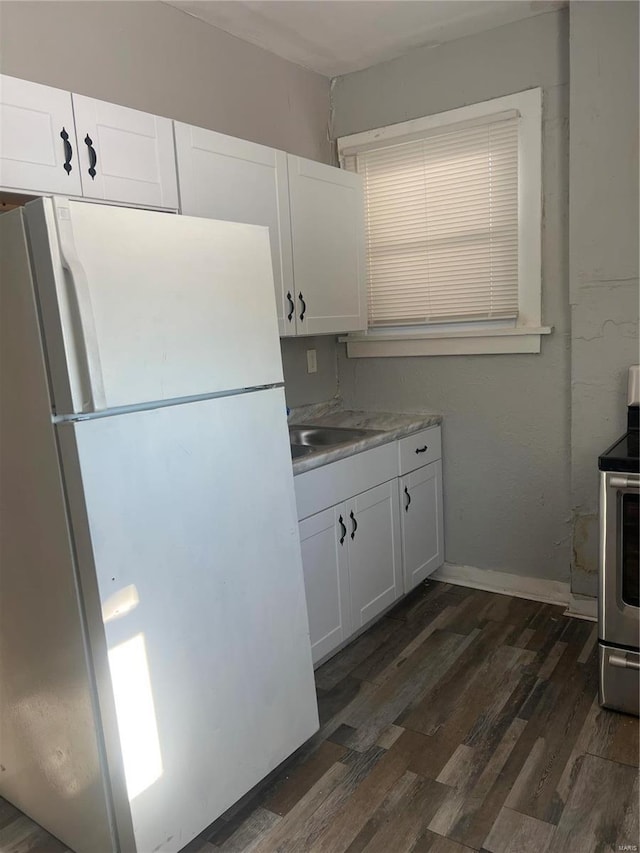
x,y
292,306
68,151
93,157
354,525
344,530
406,506
304,306
422,449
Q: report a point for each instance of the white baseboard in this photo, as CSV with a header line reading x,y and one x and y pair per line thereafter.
x,y
535,589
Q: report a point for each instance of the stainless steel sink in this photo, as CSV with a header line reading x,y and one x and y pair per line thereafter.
x,y
317,437
298,450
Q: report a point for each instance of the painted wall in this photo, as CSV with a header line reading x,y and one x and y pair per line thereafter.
x,y
303,387
603,251
506,417
153,57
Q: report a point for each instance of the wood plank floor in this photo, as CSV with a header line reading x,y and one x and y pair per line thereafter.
x,y
462,721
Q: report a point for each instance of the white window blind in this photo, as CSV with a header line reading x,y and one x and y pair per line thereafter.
x,y
442,224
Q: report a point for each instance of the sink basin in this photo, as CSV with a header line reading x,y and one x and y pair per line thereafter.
x,y
298,450
318,437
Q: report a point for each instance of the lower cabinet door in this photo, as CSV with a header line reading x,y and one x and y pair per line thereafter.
x,y
422,525
375,575
323,538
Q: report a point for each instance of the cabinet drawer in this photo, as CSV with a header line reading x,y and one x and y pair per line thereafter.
x,y
419,449
323,487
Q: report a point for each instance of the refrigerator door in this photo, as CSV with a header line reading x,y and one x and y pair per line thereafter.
x,y
141,306
186,516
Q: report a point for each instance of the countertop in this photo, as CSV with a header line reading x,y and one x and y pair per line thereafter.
x,y
393,425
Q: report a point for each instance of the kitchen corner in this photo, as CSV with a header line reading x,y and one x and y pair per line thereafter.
x,y
259,276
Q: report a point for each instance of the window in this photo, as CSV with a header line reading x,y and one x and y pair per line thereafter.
x,y
452,221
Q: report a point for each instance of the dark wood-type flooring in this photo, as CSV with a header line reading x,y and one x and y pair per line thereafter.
x,y
461,721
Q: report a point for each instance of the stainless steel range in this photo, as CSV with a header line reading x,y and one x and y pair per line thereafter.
x,y
619,602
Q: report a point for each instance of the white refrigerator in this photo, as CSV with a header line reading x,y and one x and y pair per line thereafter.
x,y
154,646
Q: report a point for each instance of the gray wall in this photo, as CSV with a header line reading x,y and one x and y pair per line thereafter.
x,y
153,57
506,417
303,387
603,251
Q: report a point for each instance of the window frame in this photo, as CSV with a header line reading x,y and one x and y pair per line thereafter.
x,y
486,336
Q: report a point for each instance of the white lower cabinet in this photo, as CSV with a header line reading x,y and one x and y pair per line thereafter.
x,y
323,538
375,573
422,523
371,529
351,560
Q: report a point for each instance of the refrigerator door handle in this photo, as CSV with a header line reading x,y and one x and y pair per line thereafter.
x,y
86,339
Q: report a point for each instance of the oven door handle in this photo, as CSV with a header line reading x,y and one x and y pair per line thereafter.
x,y
620,482
624,662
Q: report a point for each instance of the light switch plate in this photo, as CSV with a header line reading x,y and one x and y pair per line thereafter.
x,y
312,362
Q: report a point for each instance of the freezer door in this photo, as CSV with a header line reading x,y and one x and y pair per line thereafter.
x,y
186,517
141,306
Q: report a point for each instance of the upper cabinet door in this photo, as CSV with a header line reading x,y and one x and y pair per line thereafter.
x,y
226,178
327,226
38,150
125,155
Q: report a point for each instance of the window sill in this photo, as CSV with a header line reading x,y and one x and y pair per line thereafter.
x,y
525,339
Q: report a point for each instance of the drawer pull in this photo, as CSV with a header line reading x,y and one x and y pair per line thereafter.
x,y
354,524
344,530
422,449
408,503
304,306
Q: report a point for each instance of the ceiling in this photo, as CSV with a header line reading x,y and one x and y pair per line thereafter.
x,y
334,37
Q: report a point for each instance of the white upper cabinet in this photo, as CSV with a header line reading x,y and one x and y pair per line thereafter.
x,y
125,155
226,178
38,151
315,217
327,227
55,142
